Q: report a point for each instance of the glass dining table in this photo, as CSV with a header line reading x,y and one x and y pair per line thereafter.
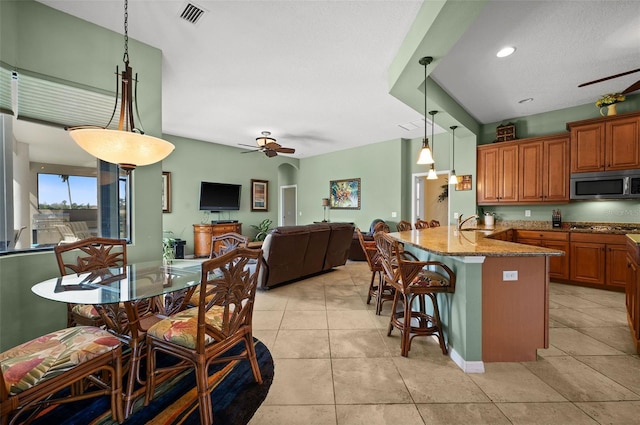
x,y
129,299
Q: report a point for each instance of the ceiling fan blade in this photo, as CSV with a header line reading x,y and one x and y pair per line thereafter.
x,y
255,150
609,77
270,153
286,150
272,145
633,87
249,146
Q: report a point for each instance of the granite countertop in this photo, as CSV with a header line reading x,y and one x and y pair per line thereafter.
x,y
572,227
449,241
635,237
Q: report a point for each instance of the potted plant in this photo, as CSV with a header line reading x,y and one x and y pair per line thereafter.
x,y
262,228
168,247
609,101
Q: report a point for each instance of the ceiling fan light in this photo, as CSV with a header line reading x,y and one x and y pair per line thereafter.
x,y
263,141
506,51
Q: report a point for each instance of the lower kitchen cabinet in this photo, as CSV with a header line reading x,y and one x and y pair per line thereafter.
x,y
558,266
598,260
632,295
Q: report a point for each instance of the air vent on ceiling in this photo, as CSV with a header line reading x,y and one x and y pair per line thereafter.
x,y
192,13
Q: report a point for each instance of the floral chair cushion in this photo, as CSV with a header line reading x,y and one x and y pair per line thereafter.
x,y
181,328
430,279
86,310
43,358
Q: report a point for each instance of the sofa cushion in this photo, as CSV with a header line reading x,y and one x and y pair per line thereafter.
x,y
314,256
339,244
287,249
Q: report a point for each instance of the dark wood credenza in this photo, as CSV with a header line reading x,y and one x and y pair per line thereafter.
x,y
202,234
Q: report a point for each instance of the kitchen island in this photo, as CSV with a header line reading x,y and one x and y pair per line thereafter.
x,y
500,309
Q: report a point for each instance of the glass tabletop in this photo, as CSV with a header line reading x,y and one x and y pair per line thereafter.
x,y
121,284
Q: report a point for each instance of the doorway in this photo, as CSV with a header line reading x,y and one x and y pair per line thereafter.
x,y
430,198
288,205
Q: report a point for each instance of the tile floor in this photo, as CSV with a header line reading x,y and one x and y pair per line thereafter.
x,y
334,363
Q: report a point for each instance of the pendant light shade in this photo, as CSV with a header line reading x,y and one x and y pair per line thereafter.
x,y
453,179
432,175
127,146
425,156
265,139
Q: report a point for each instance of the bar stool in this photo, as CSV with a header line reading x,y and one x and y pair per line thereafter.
x,y
413,281
381,291
422,224
403,225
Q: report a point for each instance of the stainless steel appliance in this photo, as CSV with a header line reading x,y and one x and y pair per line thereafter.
x,y
605,185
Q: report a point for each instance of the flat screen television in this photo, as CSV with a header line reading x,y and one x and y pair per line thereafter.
x,y
219,196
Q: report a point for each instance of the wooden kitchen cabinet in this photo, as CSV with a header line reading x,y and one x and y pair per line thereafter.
x,y
598,259
544,170
607,143
497,174
632,295
558,266
202,234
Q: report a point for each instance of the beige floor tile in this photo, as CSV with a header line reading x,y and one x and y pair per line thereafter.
x,y
625,370
545,413
463,413
370,381
350,319
575,318
608,317
304,319
267,319
354,302
381,320
301,344
266,336
613,413
341,291
618,338
575,302
315,302
512,382
577,381
551,351
378,414
347,343
294,415
607,299
436,379
576,343
301,382
270,300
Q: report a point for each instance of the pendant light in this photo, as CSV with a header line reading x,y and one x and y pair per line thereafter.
x,y
425,156
432,171
127,146
453,179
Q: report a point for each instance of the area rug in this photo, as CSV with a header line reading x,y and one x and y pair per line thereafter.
x,y
235,398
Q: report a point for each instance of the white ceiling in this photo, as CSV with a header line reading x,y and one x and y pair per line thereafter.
x,y
315,73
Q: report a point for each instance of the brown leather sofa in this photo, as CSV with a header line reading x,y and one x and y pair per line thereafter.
x,y
355,252
294,252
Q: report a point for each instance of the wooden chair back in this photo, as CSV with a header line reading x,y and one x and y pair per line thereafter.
x,y
422,224
90,254
403,225
434,223
381,226
370,252
221,244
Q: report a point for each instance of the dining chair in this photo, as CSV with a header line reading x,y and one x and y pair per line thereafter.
x,y
221,244
380,290
199,336
381,226
434,223
403,225
414,281
84,256
85,360
421,224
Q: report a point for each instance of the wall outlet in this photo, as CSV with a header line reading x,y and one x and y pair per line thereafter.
x,y
455,216
509,275
527,213
394,214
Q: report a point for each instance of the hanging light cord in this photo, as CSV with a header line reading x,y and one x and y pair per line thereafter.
x,y
125,58
425,99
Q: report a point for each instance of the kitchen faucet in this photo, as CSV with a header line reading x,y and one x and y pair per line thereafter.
x,y
461,221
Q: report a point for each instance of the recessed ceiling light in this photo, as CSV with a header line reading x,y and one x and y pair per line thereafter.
x,y
527,100
506,51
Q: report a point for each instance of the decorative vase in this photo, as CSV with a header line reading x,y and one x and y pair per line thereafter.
x,y
611,110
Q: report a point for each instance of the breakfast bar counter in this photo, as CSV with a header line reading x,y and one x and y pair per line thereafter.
x,y
500,309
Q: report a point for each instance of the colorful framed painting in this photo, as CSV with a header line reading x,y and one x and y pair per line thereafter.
x,y
344,194
464,182
166,192
259,195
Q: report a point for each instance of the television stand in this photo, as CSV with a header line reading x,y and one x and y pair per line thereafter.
x,y
202,234
223,221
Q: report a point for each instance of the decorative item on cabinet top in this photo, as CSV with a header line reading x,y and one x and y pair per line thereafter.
x,y
505,132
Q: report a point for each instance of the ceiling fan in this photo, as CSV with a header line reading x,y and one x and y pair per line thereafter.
x,y
633,87
269,146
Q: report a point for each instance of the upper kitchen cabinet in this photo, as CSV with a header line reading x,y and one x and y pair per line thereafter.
x,y
497,174
608,143
544,170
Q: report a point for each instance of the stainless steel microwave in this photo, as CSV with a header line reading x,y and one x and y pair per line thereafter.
x,y
606,185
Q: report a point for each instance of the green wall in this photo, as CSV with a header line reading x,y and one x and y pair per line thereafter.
x,y
43,40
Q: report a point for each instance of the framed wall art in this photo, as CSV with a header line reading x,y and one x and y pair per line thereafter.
x,y
259,195
464,182
344,194
166,192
